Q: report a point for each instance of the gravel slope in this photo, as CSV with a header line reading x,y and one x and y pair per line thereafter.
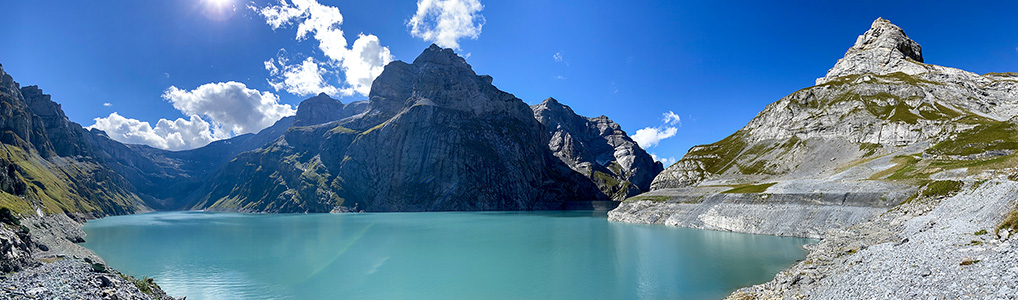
x,y
926,249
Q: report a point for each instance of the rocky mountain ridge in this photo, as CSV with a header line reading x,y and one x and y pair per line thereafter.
x,y
432,136
598,149
879,99
879,129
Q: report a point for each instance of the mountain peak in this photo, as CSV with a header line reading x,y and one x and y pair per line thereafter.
x,y
883,49
318,109
440,56
551,106
884,34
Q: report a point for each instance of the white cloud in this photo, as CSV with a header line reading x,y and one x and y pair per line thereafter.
x,y
365,61
230,105
557,56
359,64
230,108
301,79
559,77
671,118
666,161
444,22
651,136
178,134
107,104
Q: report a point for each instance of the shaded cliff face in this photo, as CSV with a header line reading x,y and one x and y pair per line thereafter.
x,y
598,149
50,164
880,115
433,136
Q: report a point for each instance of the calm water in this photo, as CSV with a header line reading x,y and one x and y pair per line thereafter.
x,y
456,255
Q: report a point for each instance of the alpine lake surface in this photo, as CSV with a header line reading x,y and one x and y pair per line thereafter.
x,y
434,255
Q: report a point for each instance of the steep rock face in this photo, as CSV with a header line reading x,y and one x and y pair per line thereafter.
x,y
287,174
48,165
433,136
879,99
322,109
883,49
598,149
458,143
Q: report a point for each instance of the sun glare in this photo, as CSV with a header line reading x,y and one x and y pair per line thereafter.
x,y
219,10
219,3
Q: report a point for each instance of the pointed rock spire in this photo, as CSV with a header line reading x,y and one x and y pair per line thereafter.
x,y
883,49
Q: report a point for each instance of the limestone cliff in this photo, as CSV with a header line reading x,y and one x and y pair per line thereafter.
x,y
598,149
879,99
880,126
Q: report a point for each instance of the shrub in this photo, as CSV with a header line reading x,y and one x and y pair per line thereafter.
x,y
7,216
1010,222
941,188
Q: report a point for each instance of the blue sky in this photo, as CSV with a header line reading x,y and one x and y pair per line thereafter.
x,y
714,64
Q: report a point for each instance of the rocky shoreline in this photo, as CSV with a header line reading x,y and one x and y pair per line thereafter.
x,y
42,260
799,215
929,248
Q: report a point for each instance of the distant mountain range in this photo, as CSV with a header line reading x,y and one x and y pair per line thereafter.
x,y
433,135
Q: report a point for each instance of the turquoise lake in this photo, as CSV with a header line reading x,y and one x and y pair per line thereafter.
x,y
435,255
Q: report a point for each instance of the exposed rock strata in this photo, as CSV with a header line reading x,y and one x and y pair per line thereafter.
x,y
879,98
598,149
801,215
433,135
928,248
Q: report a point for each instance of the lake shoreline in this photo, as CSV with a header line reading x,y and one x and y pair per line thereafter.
x,y
54,265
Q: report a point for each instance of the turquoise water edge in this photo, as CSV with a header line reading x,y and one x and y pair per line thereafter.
x,y
435,255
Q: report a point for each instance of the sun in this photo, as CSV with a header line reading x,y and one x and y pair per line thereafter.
x,y
218,3
218,10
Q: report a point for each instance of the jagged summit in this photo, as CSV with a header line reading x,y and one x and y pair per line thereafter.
x,y
441,56
883,49
598,148
553,105
320,109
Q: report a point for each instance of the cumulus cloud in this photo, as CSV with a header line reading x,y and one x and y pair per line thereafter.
x,y
214,111
650,136
366,60
107,104
230,105
444,22
177,134
359,64
305,78
666,161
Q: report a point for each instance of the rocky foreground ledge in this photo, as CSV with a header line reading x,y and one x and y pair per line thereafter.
x,y
39,259
928,248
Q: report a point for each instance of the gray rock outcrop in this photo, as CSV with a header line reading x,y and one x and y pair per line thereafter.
x,y
881,123
597,148
878,99
433,135
883,49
